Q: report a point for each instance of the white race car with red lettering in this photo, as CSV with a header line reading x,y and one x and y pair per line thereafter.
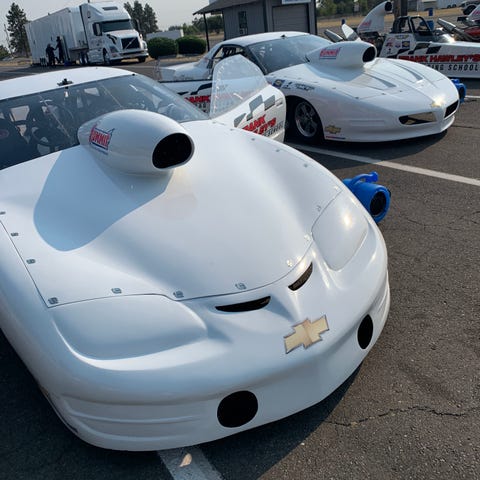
x,y
334,91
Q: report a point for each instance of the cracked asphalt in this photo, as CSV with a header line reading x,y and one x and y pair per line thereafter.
x,y
411,410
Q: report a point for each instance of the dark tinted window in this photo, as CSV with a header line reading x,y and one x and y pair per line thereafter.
x,y
284,52
35,125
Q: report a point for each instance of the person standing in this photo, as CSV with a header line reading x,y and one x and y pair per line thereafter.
x,y
50,52
59,47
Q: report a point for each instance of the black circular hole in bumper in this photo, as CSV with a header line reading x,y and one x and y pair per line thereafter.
x,y
365,332
237,409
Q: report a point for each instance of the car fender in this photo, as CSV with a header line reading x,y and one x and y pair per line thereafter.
x,y
27,322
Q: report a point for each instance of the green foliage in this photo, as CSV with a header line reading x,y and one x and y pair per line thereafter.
x,y
161,47
199,24
144,16
191,45
328,8
17,19
214,23
3,52
150,20
190,30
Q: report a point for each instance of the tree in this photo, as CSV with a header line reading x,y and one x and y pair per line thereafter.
x,y
3,52
17,19
199,24
327,8
190,29
215,23
150,19
145,16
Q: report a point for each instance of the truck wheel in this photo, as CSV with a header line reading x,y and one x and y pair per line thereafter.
x,y
106,58
303,121
141,59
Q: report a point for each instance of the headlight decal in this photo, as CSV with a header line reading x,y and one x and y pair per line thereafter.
x,y
340,231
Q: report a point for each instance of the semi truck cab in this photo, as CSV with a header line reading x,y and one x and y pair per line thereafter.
x,y
111,34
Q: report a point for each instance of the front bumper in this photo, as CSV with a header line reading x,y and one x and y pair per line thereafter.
x,y
170,425
163,407
389,128
130,54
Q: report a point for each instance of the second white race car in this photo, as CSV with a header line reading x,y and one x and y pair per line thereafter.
x,y
334,91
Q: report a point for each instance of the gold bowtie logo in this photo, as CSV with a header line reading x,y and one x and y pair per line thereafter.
x,y
306,333
333,129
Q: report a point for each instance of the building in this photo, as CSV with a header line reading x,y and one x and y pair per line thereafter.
x,y
246,17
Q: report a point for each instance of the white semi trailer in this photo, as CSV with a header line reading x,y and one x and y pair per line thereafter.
x,y
100,32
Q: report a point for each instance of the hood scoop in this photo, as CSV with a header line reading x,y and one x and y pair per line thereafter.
x,y
137,142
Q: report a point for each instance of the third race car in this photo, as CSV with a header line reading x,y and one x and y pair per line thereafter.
x,y
414,38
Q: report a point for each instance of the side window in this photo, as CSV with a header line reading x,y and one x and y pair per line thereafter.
x,y
225,52
421,27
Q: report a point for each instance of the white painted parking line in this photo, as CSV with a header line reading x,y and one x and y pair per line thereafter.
x,y
472,96
188,463
388,164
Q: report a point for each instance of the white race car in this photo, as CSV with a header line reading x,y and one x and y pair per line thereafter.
x,y
334,91
168,279
414,38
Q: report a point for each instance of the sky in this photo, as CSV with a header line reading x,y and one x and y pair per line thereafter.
x,y
168,12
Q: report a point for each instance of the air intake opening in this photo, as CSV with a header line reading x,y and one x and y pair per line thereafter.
x,y
237,409
378,204
369,54
245,306
172,150
300,282
451,109
365,332
417,119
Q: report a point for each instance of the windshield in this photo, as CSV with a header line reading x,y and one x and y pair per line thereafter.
x,y
284,52
35,125
445,38
117,25
235,79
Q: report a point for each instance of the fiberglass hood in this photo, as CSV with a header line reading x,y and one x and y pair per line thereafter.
x,y
238,215
395,78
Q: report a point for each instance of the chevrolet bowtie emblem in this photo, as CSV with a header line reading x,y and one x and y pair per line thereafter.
x,y
306,333
333,129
